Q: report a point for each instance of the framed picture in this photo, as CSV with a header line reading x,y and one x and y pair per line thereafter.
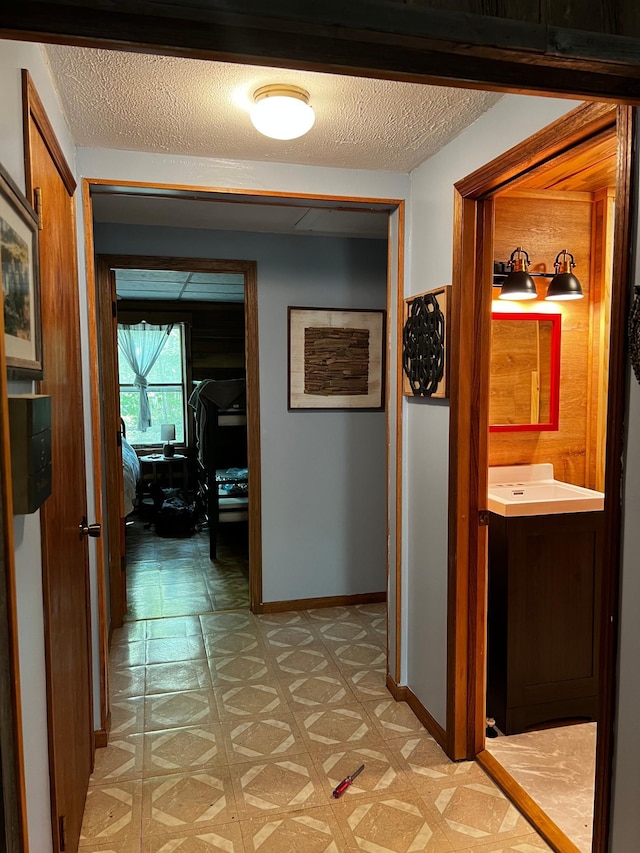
x,y
336,359
20,282
425,344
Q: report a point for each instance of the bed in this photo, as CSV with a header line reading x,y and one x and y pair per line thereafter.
x,y
221,439
130,474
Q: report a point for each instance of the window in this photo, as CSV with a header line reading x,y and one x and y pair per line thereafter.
x,y
165,391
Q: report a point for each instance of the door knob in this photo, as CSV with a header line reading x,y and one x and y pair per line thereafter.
x,y
92,530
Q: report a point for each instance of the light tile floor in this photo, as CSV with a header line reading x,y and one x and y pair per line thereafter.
x,y
230,731
557,768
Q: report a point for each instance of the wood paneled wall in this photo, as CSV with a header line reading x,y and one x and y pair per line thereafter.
x,y
216,333
544,224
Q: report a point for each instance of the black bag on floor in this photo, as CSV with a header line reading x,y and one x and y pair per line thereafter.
x,y
176,518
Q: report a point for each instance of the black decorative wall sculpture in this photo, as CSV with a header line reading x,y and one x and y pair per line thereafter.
x,y
424,352
634,333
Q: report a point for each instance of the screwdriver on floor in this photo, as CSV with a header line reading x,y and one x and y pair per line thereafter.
x,y
342,787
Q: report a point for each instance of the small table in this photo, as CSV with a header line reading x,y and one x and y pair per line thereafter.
x,y
158,460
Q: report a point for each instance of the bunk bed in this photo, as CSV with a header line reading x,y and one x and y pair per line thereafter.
x,y
221,443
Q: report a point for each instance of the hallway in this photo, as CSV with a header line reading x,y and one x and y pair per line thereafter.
x,y
230,731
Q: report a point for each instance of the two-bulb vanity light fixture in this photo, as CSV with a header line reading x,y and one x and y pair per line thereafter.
x,y
516,282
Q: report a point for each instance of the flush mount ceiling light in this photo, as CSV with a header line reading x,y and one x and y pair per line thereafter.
x,y
281,111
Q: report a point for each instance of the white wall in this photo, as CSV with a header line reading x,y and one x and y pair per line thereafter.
x,y
625,829
13,57
323,473
427,422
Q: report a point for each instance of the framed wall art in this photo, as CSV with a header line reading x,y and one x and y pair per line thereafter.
x,y
425,342
20,281
336,359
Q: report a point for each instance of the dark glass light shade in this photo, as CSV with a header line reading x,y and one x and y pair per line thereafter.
x,y
518,285
564,285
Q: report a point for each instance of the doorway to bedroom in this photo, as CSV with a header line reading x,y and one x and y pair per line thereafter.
x,y
177,378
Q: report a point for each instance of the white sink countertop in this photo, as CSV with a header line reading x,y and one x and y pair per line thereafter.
x,y
522,490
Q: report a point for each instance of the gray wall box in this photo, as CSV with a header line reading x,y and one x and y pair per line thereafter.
x,y
30,427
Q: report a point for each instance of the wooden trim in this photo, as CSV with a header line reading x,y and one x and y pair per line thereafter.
x,y
398,437
33,107
15,836
463,501
96,441
409,42
398,691
325,601
466,667
107,457
101,736
428,721
528,806
249,270
624,241
254,455
580,124
241,195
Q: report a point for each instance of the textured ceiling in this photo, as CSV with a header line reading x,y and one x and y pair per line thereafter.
x,y
197,108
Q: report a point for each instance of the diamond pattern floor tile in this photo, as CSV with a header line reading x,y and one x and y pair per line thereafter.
x,y
287,784
267,737
194,801
239,669
382,773
229,643
172,649
112,814
301,661
331,727
393,719
400,824
127,716
168,711
313,691
312,831
476,811
184,675
429,767
219,839
530,843
250,700
368,683
176,750
120,761
241,726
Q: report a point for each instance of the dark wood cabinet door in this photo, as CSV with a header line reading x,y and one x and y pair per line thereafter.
x,y
545,576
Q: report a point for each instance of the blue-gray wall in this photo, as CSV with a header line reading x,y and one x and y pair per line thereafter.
x,y
323,473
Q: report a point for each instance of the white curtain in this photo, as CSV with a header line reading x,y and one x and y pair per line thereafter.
x,y
141,345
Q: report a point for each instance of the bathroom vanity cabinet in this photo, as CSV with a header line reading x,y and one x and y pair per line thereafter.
x,y
543,618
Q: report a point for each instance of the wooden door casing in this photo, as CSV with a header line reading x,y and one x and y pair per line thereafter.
x,y
64,551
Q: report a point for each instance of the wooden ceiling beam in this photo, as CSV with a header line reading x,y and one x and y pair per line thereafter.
x,y
376,38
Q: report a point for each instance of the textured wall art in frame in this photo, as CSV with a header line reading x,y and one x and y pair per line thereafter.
x,y
425,343
336,359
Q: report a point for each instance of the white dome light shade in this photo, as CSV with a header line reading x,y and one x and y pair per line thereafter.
x,y
282,112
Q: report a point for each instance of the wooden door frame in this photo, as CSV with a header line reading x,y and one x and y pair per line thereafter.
x,y
105,264
469,447
14,833
395,302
